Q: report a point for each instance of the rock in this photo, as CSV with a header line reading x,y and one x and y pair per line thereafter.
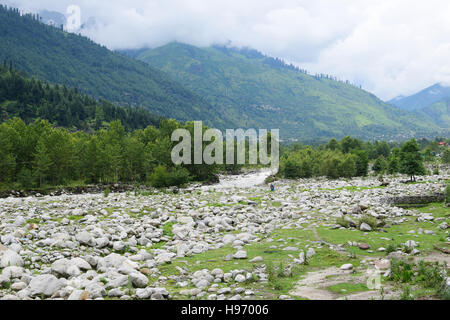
x,y
411,244
101,242
65,268
228,238
217,273
79,213
241,254
301,259
117,292
9,258
79,295
95,290
139,280
310,253
17,286
165,257
45,284
257,259
351,222
365,227
443,226
290,249
224,291
157,296
85,238
202,284
115,261
239,278
13,272
144,293
383,264
364,246
347,266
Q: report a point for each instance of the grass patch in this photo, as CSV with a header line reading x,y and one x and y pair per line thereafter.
x,y
348,288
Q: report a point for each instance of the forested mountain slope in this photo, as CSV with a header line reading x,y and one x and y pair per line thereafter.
x,y
64,58
254,90
29,99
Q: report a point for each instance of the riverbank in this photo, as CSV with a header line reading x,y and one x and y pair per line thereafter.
x,y
310,239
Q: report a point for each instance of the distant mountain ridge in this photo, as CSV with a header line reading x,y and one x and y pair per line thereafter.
x,y
431,103
423,98
254,90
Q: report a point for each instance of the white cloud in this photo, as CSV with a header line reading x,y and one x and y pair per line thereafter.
x,y
390,47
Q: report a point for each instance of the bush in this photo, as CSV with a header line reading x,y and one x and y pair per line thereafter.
x,y
371,221
401,271
106,192
342,222
162,178
427,275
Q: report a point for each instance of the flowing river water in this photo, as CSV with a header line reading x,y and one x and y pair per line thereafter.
x,y
245,180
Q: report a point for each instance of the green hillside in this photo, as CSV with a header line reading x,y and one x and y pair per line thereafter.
x,y
63,58
253,90
439,112
30,99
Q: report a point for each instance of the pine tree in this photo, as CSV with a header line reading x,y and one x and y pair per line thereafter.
x,y
42,163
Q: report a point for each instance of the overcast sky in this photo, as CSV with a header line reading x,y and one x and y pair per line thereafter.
x,y
390,47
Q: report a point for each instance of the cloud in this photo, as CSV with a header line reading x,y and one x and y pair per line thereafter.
x,y
390,47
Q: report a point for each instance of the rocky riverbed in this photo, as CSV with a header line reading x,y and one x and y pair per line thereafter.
x,y
312,239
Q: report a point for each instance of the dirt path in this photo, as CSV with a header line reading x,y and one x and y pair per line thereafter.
x,y
314,286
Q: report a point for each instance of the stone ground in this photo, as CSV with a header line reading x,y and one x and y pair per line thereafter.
x,y
236,240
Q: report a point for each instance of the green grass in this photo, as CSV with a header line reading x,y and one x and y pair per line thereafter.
x,y
167,228
281,284
348,288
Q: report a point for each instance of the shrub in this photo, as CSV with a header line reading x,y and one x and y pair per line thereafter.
x,y
162,178
342,222
406,294
371,221
401,271
106,192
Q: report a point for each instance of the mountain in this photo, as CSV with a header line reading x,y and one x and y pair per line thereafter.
x,y
439,112
254,90
30,99
422,99
432,103
59,57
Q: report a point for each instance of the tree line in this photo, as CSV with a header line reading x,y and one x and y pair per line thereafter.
x,y
350,157
39,155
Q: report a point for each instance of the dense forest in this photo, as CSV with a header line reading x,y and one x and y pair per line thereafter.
x,y
39,155
29,99
63,58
